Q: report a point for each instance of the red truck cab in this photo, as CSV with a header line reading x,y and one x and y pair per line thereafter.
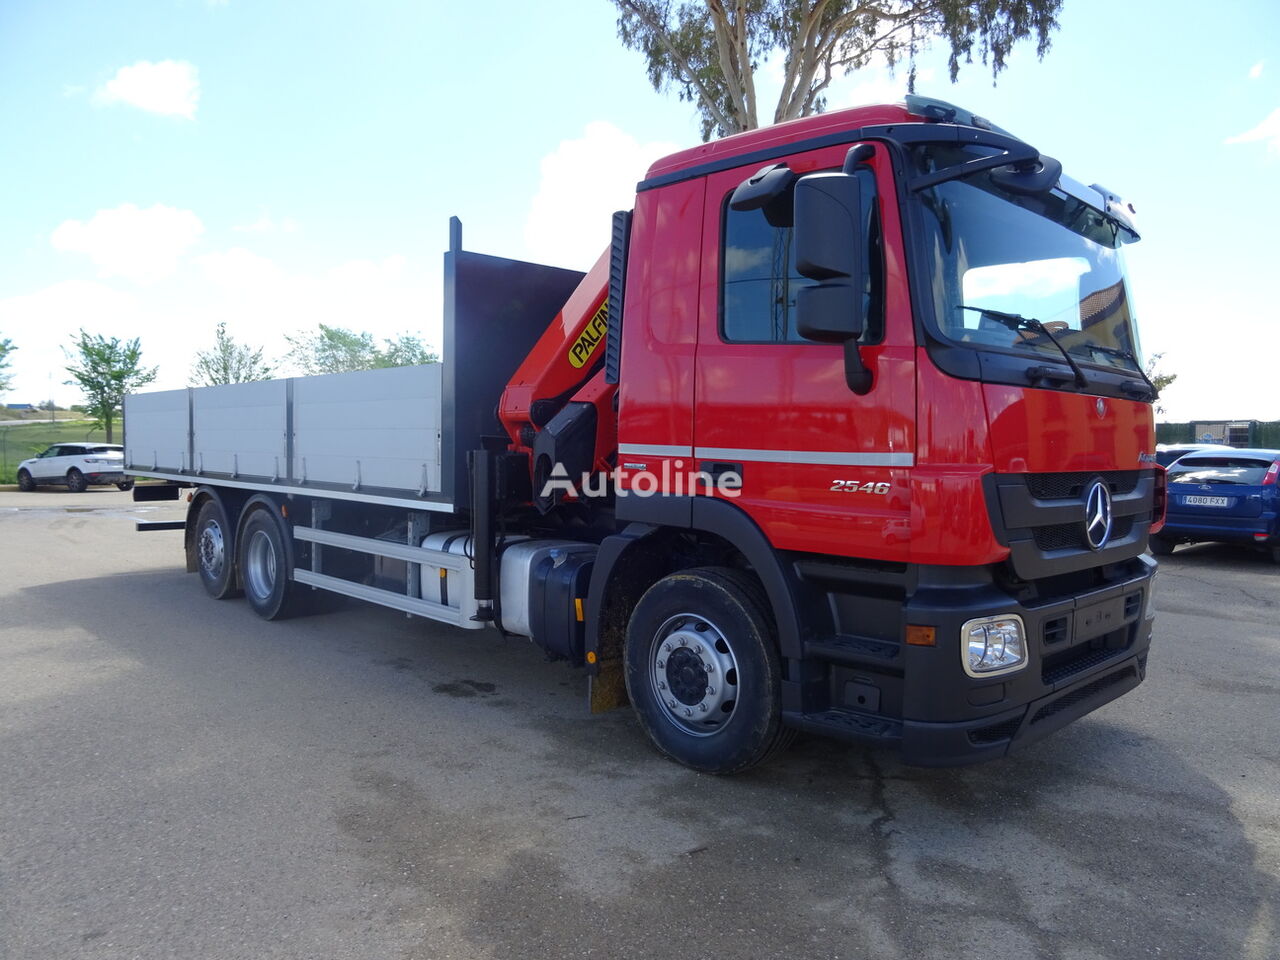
x,y
946,498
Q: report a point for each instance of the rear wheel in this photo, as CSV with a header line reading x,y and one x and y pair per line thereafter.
x,y
76,482
214,558
703,671
25,482
264,567
125,485
1161,546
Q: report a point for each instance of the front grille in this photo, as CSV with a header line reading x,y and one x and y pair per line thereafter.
x,y
1132,604
996,732
1055,630
1063,486
1084,693
1070,536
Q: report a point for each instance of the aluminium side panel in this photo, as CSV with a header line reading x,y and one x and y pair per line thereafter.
x,y
239,428
157,430
375,429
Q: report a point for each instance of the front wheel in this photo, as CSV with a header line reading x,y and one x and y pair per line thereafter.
x,y
125,485
25,482
76,482
264,568
703,672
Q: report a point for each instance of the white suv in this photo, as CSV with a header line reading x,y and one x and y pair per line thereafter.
x,y
75,466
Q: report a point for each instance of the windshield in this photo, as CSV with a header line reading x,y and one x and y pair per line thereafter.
x,y
1047,257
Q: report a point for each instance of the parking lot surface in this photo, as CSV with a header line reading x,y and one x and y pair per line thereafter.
x,y
180,779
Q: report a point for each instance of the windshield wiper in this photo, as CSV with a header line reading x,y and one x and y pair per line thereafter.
x,y
1127,355
1016,321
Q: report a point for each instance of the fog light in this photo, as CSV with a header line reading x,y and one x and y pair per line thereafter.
x,y
993,645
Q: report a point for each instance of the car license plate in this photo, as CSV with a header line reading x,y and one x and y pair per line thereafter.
x,y
1206,501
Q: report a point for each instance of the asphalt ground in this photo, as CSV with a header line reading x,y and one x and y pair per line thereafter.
x,y
180,779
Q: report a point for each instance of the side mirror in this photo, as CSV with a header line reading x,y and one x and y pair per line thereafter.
x,y
829,249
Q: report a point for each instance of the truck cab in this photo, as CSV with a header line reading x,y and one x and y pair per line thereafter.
x,y
948,507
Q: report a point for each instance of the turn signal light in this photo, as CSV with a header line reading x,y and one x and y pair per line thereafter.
x,y
921,636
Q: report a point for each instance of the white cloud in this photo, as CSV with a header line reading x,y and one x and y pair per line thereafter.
x,y
876,85
170,88
42,323
583,182
267,224
260,301
140,245
1256,70
384,297
1267,131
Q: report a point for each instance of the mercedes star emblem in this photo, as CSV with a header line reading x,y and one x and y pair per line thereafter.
x,y
1097,515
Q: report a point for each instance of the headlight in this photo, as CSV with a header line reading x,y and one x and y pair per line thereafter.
x,y
993,645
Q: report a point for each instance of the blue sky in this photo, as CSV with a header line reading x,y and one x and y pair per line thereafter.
x,y
273,164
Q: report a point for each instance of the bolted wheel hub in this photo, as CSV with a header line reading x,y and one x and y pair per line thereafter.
x,y
694,674
211,549
686,676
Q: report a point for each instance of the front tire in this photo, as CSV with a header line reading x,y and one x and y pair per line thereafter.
x,y
213,546
264,568
703,672
25,481
76,482
125,485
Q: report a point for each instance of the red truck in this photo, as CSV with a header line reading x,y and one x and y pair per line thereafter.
x,y
846,432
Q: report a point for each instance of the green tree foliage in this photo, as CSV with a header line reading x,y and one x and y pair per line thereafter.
x,y
6,356
710,50
1161,380
338,350
228,362
105,370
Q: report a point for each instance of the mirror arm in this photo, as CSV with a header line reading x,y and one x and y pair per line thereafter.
x,y
856,373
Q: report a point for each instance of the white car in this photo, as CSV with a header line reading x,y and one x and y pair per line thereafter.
x,y
75,466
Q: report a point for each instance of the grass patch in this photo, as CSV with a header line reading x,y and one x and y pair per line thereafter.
x,y
24,439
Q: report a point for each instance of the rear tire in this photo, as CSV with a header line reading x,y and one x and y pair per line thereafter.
x,y
25,482
76,482
703,671
213,544
1162,547
265,568
125,485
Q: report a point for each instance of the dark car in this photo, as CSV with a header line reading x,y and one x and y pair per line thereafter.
x,y
1230,496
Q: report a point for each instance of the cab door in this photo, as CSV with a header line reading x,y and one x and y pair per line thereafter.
x,y
822,469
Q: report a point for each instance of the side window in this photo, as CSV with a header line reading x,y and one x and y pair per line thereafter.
x,y
758,279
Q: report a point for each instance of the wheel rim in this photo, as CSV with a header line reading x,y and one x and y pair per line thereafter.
x,y
694,674
212,549
260,565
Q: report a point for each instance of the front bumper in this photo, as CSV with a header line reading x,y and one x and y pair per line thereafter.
x,y
1084,649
